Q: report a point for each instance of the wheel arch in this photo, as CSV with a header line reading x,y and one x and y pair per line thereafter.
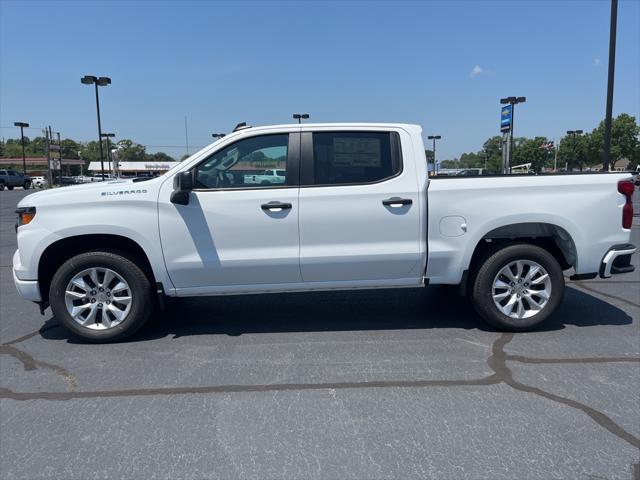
x,y
60,251
553,238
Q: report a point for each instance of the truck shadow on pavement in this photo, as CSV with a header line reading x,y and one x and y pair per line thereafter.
x,y
398,309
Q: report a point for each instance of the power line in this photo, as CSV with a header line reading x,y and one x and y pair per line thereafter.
x,y
26,128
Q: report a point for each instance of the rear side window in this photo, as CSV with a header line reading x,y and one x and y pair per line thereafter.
x,y
343,158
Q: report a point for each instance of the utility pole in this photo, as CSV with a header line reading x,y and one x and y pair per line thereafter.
x,y
53,173
48,139
60,155
186,135
108,136
435,165
22,126
612,67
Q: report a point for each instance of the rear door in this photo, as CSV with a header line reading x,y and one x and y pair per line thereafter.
x,y
359,206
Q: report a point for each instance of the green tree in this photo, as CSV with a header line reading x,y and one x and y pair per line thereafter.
x,y
573,151
624,141
492,153
449,163
90,152
37,147
129,151
12,150
532,151
470,160
13,147
69,148
159,157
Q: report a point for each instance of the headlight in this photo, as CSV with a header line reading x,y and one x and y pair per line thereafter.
x,y
25,215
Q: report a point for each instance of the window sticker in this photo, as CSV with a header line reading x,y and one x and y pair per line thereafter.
x,y
356,152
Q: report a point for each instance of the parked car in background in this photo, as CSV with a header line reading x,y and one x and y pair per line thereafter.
x,y
11,178
92,178
267,177
471,172
39,182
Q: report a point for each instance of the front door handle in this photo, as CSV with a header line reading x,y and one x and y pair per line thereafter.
x,y
396,202
276,206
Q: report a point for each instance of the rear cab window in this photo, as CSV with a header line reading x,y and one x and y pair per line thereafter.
x,y
352,157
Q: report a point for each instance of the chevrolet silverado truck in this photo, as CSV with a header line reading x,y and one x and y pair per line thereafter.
x,y
356,211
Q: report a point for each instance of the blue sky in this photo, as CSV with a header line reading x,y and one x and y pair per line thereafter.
x,y
443,65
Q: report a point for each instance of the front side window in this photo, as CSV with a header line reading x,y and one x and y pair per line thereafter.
x,y
355,157
259,161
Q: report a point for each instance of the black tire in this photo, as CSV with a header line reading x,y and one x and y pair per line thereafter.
x,y
482,286
142,302
10,187
26,185
1,185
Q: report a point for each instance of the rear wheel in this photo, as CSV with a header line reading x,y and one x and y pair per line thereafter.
x,y
26,185
517,287
10,187
1,185
101,296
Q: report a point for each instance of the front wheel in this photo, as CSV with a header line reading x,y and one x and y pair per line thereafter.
x,y
101,296
517,287
10,187
26,185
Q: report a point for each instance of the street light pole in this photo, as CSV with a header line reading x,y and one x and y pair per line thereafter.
x,y
300,116
612,67
435,165
102,82
22,126
107,136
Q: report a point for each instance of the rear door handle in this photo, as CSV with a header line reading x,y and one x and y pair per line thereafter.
x,y
276,206
396,202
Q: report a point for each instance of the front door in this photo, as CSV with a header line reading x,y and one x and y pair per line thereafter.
x,y
236,230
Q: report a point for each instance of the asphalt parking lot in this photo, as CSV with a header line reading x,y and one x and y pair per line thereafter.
x,y
378,384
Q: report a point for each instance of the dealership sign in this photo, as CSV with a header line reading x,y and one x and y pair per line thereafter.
x,y
506,114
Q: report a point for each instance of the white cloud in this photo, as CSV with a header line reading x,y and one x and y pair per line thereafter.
x,y
475,71
597,62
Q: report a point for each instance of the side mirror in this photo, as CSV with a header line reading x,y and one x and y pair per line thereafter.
x,y
182,185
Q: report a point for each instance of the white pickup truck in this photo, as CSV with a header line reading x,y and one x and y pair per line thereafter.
x,y
356,210
266,177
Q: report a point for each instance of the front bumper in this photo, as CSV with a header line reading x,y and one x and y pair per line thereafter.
x,y
28,289
617,260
